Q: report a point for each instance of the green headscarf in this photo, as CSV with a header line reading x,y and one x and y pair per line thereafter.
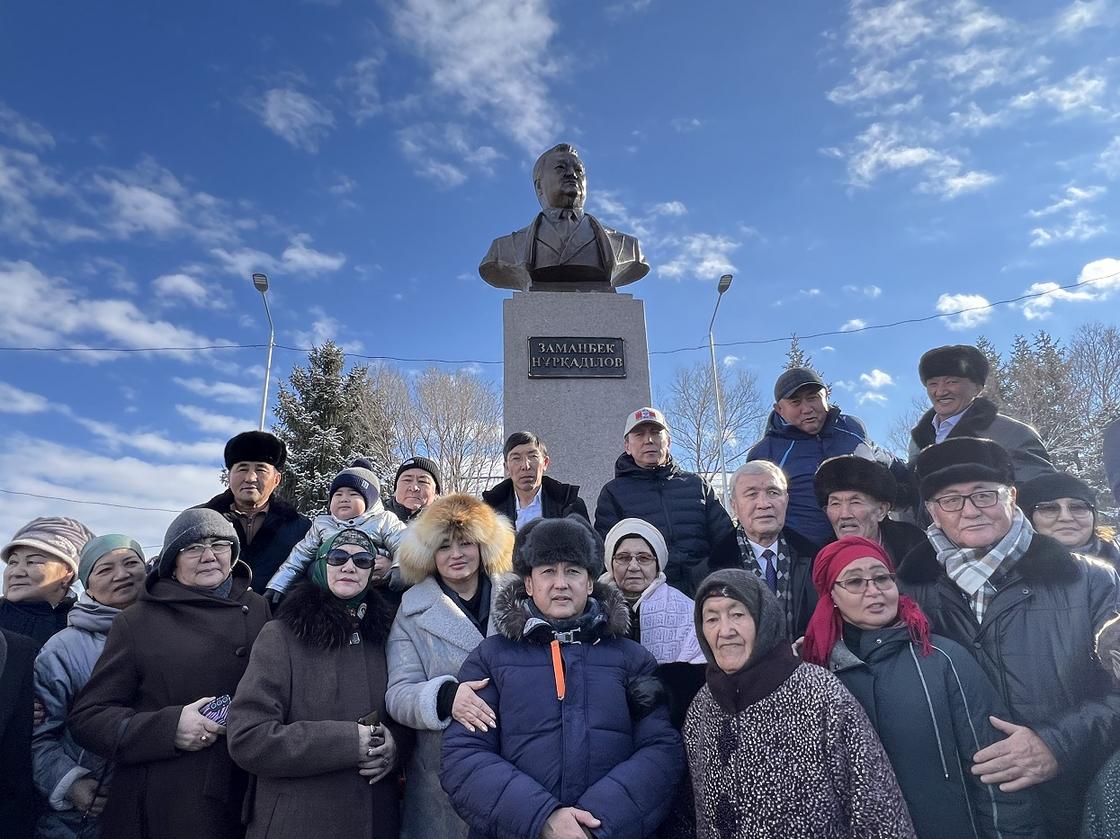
x,y
318,570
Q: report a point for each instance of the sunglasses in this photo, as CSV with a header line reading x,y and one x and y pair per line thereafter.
x,y
364,559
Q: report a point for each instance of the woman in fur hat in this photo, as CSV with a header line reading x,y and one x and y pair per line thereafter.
x,y
315,672
452,555
147,706
585,746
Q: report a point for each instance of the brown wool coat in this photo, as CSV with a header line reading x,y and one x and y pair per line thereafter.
x,y
172,647
293,723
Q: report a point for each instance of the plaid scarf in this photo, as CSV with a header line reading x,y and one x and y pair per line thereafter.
x,y
976,570
781,564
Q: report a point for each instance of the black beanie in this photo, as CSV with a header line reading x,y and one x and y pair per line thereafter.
x,y
961,459
852,473
256,447
960,360
547,541
1051,487
418,462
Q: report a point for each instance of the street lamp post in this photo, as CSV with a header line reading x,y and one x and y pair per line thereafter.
x,y
260,283
724,284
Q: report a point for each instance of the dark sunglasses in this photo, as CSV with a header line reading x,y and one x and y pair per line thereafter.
x,y
364,559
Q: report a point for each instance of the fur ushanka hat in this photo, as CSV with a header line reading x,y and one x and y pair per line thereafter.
x,y
961,459
571,539
458,516
960,360
852,473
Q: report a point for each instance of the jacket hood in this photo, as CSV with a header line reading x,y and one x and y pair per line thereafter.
x,y
321,620
91,616
625,465
510,614
472,520
778,427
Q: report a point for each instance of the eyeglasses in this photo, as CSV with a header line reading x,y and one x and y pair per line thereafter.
x,y
858,585
623,560
1053,509
220,548
980,500
338,557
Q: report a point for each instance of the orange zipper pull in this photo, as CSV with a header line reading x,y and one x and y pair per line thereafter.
x,y
558,670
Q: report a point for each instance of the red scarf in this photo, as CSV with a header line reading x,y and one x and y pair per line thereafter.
x,y
826,625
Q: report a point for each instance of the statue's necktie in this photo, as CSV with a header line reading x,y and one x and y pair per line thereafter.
x,y
771,570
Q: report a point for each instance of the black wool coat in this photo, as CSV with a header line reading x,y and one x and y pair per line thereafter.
x,y
680,504
931,713
172,647
36,619
899,538
557,499
283,527
1037,645
18,806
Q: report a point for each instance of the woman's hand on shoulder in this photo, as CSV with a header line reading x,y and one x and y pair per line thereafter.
x,y
470,711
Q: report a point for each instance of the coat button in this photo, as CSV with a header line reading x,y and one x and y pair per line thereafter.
x,y
977,644
1026,591
240,652
878,640
244,610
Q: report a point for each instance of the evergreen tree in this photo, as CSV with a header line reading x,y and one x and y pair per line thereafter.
x,y
321,417
797,357
993,388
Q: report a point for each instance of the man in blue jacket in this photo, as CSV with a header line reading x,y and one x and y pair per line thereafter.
x,y
804,431
583,744
648,485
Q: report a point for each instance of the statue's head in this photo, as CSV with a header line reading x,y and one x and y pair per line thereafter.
x,y
560,179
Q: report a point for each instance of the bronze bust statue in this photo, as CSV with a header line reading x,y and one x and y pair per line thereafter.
x,y
564,248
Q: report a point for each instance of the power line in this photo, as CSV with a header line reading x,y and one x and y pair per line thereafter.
x,y
84,501
745,342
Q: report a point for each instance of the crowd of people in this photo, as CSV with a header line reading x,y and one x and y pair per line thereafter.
x,y
860,646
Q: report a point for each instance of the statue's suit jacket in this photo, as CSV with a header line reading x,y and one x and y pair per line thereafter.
x,y
507,263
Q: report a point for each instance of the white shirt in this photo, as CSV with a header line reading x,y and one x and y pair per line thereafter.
x,y
942,428
758,551
530,511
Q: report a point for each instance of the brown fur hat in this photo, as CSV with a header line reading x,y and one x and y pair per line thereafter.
x,y
465,517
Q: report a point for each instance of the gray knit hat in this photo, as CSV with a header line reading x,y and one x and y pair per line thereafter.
x,y
59,537
191,526
763,606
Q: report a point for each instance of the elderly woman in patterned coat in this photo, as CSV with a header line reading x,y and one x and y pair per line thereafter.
x,y
777,747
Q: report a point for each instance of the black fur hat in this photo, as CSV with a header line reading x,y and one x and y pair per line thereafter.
x,y
547,541
961,459
256,447
961,360
852,473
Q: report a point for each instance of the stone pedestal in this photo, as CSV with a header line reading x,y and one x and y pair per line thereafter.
x,y
580,418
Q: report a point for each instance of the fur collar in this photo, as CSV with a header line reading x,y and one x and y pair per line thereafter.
x,y
1045,562
510,615
321,620
974,423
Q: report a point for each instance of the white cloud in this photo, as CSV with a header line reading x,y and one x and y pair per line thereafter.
x,y
29,294
491,55
1072,197
871,82
1080,15
323,328
876,379
700,255
1082,226
214,423
138,209
344,185
186,288
221,391
669,208
955,303
731,360
24,181
1081,91
870,291
683,125
1109,160
296,118
298,258
13,400
1097,282
444,153
149,442
360,83
852,325
25,131
870,396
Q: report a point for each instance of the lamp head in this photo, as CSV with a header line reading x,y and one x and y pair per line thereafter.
x,y
260,282
725,283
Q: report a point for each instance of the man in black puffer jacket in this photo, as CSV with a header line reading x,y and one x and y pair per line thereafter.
x,y
1029,611
648,485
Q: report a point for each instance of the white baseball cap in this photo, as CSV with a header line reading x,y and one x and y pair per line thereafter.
x,y
644,415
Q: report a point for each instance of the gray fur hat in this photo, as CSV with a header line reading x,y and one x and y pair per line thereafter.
x,y
548,541
190,526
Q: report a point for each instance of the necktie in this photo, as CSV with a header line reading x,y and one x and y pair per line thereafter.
x,y
771,570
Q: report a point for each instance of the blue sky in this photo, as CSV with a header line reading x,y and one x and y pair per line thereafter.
x,y
850,163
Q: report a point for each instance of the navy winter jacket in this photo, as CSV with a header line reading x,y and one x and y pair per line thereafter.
x,y
799,454
680,504
584,751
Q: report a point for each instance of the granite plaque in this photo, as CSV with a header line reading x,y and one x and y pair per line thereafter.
x,y
577,358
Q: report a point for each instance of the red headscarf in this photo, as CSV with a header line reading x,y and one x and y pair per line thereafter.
x,y
826,625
